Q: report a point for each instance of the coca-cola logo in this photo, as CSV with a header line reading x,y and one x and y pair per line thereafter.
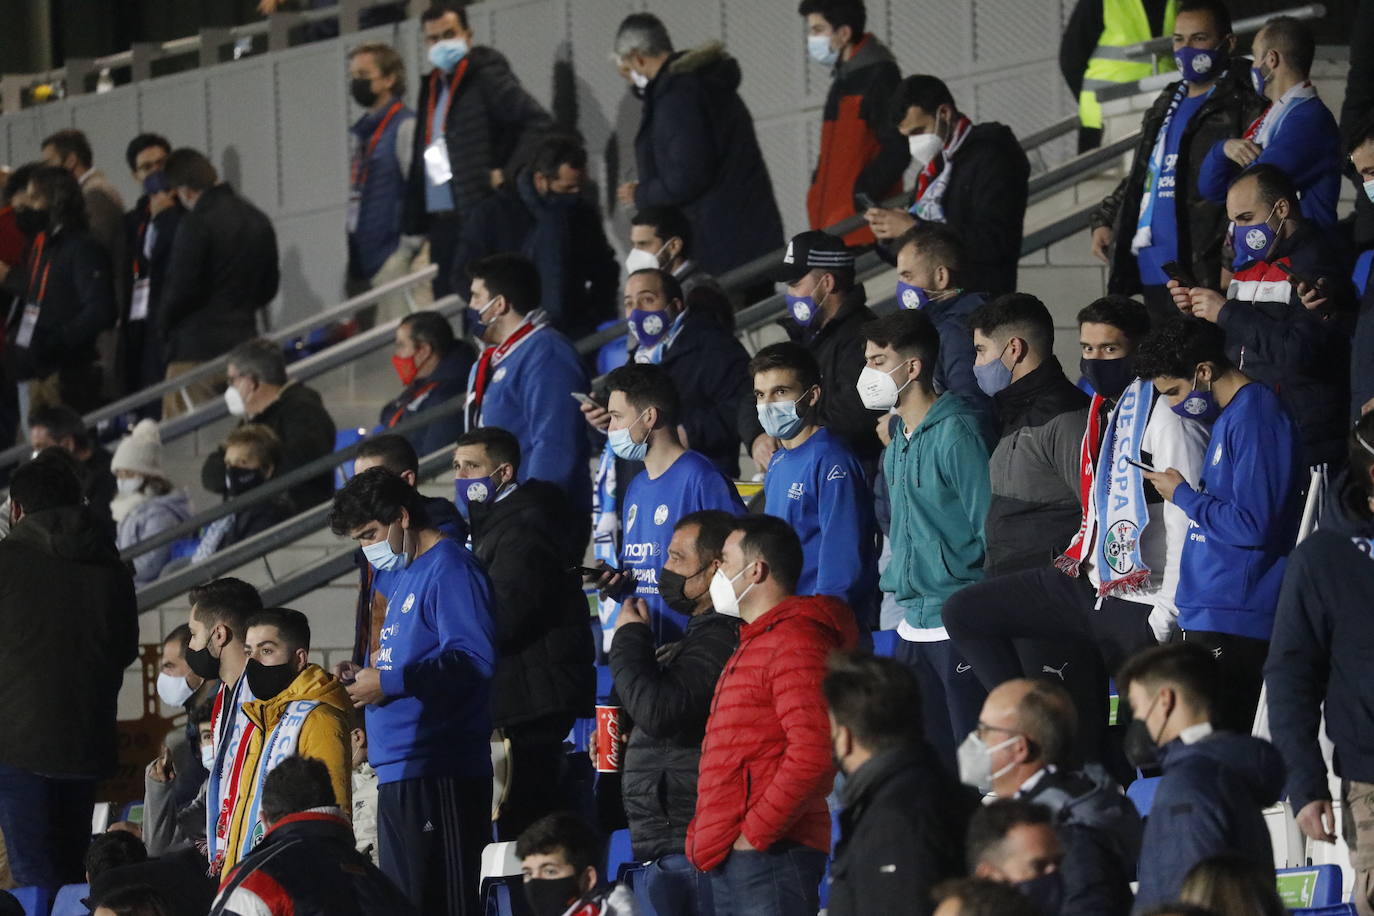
x,y
610,742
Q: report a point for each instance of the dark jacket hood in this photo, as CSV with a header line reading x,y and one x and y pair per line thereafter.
x,y
870,52
444,515
1253,762
1012,400
711,62
69,533
1091,798
880,768
534,501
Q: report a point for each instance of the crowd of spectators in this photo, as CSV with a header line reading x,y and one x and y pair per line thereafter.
x,y
973,597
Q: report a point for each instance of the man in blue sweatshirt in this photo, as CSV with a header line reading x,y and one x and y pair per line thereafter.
x,y
814,481
675,482
1297,132
1243,515
524,379
937,473
427,694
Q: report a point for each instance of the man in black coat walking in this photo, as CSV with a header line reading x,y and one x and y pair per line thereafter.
x,y
223,269
68,629
529,540
476,126
903,816
696,148
150,227
666,694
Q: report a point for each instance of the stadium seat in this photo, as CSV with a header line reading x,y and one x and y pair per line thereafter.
x,y
343,439
1306,888
1339,909
619,855
183,548
499,861
1142,793
69,901
885,643
36,901
100,817
1286,837
496,894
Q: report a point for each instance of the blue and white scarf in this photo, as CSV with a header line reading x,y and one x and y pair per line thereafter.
x,y
1144,237
282,743
1119,496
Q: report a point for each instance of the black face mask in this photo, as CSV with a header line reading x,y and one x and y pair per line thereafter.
x,y
1109,377
202,663
238,481
1138,744
362,92
671,587
551,896
267,681
30,221
1046,892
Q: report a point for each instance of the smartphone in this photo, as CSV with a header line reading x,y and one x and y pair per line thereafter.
x,y
1174,271
866,203
592,572
1140,464
1294,276
587,400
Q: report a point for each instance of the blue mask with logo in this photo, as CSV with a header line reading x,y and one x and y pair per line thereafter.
x,y
1200,65
447,53
1198,405
469,490
804,308
1254,243
911,297
1258,79
649,327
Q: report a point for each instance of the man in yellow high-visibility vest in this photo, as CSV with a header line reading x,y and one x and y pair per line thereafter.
x,y
1092,54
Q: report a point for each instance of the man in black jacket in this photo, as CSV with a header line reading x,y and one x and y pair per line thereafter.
x,y
1318,656
827,311
64,595
529,539
222,271
150,228
902,814
1156,214
1023,746
696,148
433,367
1290,336
477,126
63,427
666,694
545,215
971,177
259,392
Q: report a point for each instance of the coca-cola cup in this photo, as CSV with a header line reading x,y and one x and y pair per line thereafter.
x,y
610,743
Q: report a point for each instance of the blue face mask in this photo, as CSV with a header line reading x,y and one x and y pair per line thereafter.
x,y
649,327
469,490
1258,79
1198,405
382,557
1369,190
1200,65
1254,243
993,377
472,320
780,419
623,444
911,297
804,308
447,53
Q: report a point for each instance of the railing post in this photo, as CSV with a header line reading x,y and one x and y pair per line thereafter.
x,y
11,93
77,69
143,54
211,41
279,26
350,15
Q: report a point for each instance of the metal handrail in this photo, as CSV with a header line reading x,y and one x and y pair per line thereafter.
x,y
1239,27
1044,186
278,485
177,426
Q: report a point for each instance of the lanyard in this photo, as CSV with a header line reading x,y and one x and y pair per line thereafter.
x,y
38,247
360,161
434,97
140,263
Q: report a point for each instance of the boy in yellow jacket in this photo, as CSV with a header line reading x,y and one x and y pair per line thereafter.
x,y
299,710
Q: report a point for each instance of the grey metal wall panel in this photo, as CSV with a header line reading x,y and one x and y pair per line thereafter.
x,y
1024,100
767,40
940,44
1009,32
693,23
313,148
174,106
785,149
243,129
530,33
23,133
313,256
110,122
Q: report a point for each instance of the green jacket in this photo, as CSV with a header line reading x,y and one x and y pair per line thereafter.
x,y
938,484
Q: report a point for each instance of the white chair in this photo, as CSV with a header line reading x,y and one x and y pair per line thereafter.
x,y
1337,853
100,818
1286,837
499,861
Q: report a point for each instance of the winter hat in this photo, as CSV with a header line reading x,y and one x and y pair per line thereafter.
x,y
140,451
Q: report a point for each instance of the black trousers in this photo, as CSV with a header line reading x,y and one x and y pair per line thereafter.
x,y
1159,303
443,247
1240,663
430,835
986,621
539,774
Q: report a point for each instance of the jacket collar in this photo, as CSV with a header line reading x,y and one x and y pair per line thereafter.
x,y
314,822
963,303
1011,400
369,121
869,778
852,307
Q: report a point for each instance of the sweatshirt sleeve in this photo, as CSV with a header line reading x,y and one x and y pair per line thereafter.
x,y
964,467
556,423
1263,470
1296,673
843,504
1214,178
1180,444
457,606
1306,145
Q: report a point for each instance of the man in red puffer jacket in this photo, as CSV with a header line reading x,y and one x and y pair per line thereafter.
x,y
761,828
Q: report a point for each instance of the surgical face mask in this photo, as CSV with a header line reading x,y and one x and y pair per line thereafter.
x,y
623,444
1138,744
173,690
993,377
1255,243
639,80
381,556
911,297
233,399
649,327
266,681
551,896
723,597
1109,377
1046,893
128,486
446,54
780,419
1369,190
1198,405
818,46
472,319
878,390
207,756
639,259
975,762
924,148
1200,65
804,308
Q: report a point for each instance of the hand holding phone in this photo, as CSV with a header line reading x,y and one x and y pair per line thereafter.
x,y
1176,271
1294,276
865,202
1140,464
586,400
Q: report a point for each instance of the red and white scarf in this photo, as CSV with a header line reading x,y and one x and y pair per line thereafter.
x,y
933,181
